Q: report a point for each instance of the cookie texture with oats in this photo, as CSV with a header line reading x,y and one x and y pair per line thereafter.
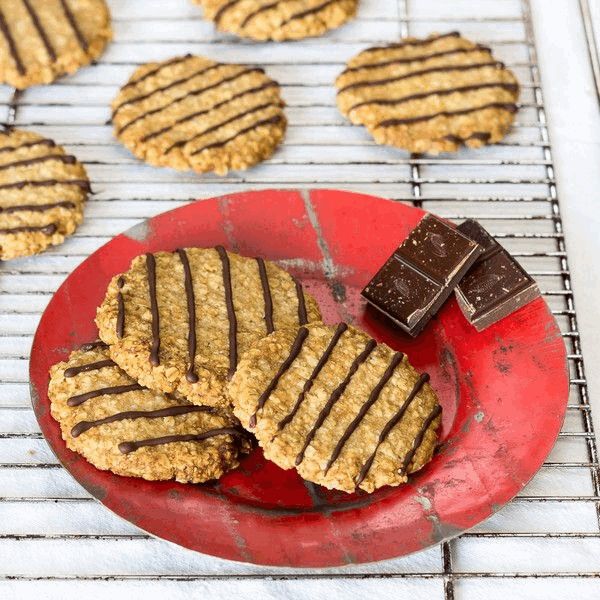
x,y
192,113
178,322
120,426
42,193
344,411
41,40
429,95
280,20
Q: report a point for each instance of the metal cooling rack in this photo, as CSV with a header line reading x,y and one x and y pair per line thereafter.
x,y
54,539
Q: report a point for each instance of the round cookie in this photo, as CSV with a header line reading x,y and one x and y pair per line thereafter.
x,y
41,40
190,112
42,193
346,412
119,426
278,20
429,95
178,321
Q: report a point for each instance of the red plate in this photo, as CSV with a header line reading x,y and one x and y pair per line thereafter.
x,y
504,391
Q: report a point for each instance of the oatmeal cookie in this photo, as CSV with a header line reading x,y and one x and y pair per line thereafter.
x,y
42,193
429,95
120,426
346,412
278,20
41,40
178,321
190,112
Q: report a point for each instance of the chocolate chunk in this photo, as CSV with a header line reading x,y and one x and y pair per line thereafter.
x,y
421,274
496,285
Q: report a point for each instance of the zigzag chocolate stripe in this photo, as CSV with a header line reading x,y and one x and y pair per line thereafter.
x,y
396,418
285,365
310,381
218,126
120,326
166,87
419,58
197,92
511,87
12,46
95,366
164,65
191,308
41,142
117,389
19,185
270,121
36,207
171,411
419,439
127,447
40,30
374,396
409,44
268,299
74,26
508,106
441,69
309,11
205,111
335,396
231,316
66,159
151,271
49,229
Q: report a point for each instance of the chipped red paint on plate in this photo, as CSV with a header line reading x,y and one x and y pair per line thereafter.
x,y
504,391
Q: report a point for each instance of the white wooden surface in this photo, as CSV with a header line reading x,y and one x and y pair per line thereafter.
x,y
56,542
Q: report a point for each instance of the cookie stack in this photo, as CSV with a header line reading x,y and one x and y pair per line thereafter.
x,y
201,348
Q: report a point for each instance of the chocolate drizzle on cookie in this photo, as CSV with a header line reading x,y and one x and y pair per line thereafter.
x,y
49,229
191,308
170,411
418,58
117,389
12,46
268,300
95,366
98,344
84,184
36,207
83,43
40,30
302,315
221,124
335,396
440,69
66,159
151,271
393,421
190,94
433,415
309,11
415,42
508,106
373,397
164,65
285,365
120,326
199,113
339,330
40,142
128,447
510,87
231,316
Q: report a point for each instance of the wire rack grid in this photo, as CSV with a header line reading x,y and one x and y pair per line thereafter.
x,y
53,536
